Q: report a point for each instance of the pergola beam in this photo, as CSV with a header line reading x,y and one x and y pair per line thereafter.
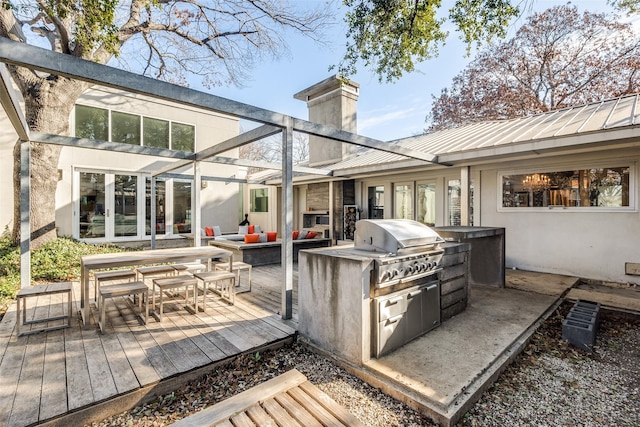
x,y
94,144
248,137
23,55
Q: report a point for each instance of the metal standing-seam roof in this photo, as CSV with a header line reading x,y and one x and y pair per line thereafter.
x,y
622,112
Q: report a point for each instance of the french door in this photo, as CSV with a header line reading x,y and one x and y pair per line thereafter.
x,y
109,206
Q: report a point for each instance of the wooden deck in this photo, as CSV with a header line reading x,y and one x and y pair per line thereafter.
x,y
50,374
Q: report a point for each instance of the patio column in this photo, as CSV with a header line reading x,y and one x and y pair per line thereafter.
x,y
287,220
195,215
25,219
465,195
153,212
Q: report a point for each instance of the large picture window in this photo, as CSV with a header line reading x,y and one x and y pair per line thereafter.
x,y
93,123
606,187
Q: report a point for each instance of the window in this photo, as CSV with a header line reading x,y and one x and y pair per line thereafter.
x,y
161,197
92,123
454,189
403,203
125,205
427,203
155,132
182,206
580,188
125,128
259,200
183,137
376,202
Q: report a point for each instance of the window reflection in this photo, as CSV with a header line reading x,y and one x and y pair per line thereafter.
x,y
595,187
376,202
403,201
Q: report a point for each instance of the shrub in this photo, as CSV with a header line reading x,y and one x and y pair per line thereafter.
x,y
58,260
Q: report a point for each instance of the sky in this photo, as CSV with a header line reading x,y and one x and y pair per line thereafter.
x,y
386,111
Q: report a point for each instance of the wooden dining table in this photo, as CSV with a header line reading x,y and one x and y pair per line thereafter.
x,y
89,263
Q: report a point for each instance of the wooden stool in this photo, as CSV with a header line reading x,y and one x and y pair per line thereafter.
x,y
35,291
189,268
155,270
237,267
124,289
165,284
223,285
107,276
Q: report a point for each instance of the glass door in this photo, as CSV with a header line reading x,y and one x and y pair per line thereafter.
x,y
107,205
92,207
125,205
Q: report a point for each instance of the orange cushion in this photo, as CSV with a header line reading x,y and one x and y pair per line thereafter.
x,y
208,231
251,238
271,236
294,235
252,229
312,234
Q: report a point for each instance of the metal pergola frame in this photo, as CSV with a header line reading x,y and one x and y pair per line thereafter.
x,y
272,123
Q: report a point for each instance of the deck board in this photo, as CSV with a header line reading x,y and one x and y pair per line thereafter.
x,y
49,374
54,381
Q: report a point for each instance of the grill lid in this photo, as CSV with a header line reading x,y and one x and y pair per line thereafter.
x,y
390,235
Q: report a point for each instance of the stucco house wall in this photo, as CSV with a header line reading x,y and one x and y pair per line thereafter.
x,y
589,243
220,202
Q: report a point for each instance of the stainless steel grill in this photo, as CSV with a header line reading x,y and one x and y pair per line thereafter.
x,y
403,250
405,286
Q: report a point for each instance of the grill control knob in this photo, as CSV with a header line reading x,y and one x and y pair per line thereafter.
x,y
386,275
423,266
409,269
398,272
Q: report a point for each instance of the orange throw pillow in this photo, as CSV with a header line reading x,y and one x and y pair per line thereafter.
x,y
251,238
271,236
312,234
252,229
208,231
294,235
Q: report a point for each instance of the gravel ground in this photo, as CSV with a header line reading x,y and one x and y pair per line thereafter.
x,y
549,384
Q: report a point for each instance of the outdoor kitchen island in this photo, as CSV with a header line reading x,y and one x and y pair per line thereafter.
x,y
395,283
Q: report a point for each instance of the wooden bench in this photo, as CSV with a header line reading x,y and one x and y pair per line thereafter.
x,y
36,291
286,400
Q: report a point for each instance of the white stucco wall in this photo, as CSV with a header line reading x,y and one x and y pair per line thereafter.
x,y
589,243
219,201
8,139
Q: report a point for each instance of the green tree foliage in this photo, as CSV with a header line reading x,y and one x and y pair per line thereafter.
x,y
558,58
391,36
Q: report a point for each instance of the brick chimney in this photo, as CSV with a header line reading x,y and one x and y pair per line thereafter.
x,y
332,102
